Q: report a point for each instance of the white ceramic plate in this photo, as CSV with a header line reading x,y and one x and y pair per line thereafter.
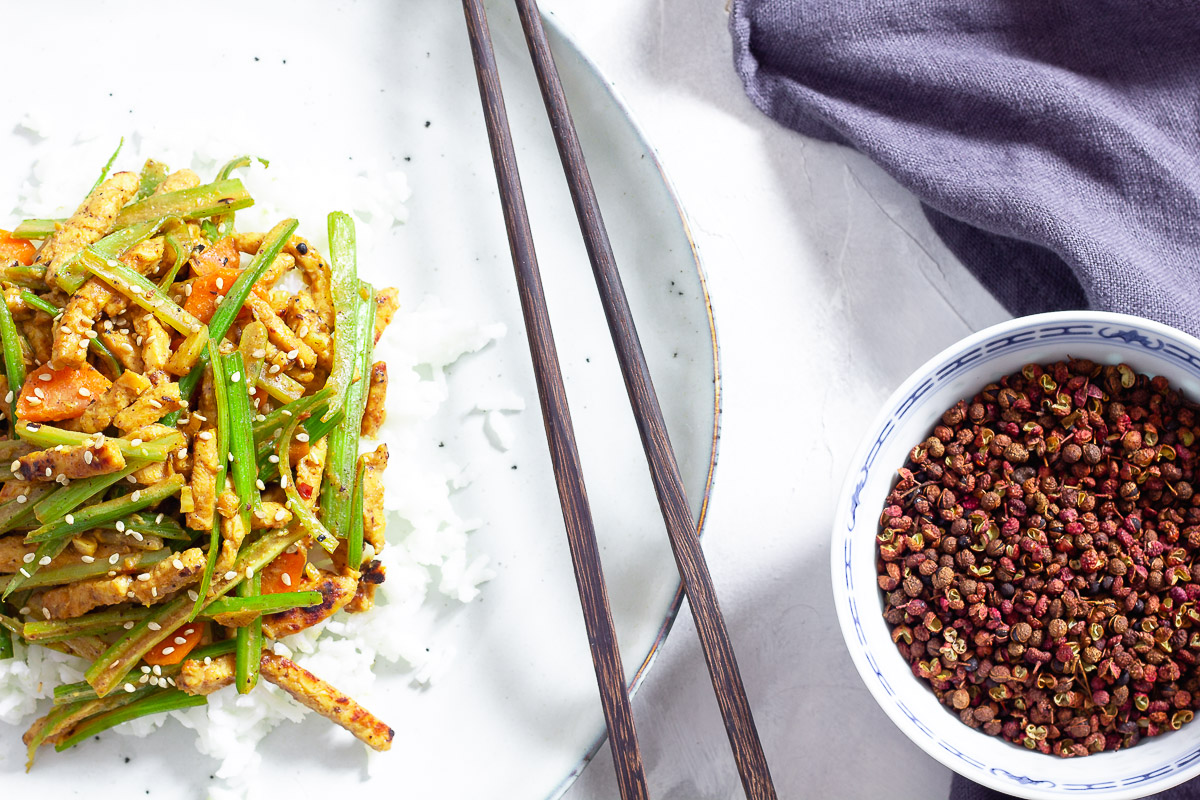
x,y
339,89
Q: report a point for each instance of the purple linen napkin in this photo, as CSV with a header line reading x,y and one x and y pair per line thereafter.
x,y
1054,145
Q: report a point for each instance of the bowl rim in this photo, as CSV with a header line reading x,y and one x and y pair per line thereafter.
x,y
838,563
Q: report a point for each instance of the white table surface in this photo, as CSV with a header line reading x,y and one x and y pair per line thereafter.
x,y
828,287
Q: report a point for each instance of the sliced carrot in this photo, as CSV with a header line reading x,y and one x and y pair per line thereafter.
x,y
201,302
51,395
175,647
222,255
286,563
21,250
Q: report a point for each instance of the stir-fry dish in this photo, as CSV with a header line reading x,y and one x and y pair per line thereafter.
x,y
182,410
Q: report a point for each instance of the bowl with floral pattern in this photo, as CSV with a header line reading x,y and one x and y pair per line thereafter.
x,y
1154,763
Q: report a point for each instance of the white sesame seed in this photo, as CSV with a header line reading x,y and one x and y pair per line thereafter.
x,y
34,400
249,573
25,610
220,284
128,626
287,579
145,576
131,478
145,669
87,559
39,392
302,331
193,595
166,651
8,398
208,661
200,416
154,403
205,435
230,575
158,519
235,377
129,687
84,391
22,499
45,376
280,515
259,353
45,612
43,561
283,482
144,679
70,518
154,626
114,558
87,456
301,437
274,369
137,494
157,669
28,557
177,564
274,459
187,289
49,472
16,466
137,536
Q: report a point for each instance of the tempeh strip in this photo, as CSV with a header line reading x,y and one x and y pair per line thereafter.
x,y
322,697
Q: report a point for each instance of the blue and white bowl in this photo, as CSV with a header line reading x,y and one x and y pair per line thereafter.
x,y
908,417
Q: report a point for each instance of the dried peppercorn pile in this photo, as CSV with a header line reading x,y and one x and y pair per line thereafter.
x,y
1037,557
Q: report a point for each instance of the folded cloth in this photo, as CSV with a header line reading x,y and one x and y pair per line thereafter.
x,y
1055,145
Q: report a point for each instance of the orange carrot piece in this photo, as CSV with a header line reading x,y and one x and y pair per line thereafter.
x,y
201,303
52,395
286,563
19,250
171,650
222,255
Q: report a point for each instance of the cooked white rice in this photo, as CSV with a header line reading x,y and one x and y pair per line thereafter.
x,y
428,553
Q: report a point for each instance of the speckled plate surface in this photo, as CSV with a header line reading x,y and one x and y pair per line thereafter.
x,y
361,88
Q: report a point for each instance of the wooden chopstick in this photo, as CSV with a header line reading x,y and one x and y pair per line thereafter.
x,y
577,516
672,498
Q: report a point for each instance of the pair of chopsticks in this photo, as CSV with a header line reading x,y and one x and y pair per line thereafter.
x,y
581,536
